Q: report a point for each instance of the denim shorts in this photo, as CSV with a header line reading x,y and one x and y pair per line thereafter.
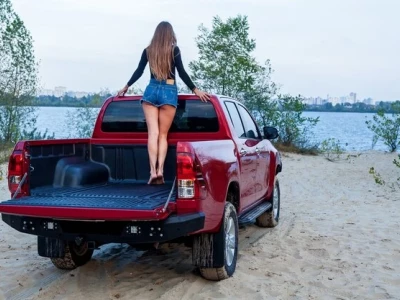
x,y
159,93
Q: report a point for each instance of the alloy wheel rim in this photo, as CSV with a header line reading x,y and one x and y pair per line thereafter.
x,y
275,202
230,241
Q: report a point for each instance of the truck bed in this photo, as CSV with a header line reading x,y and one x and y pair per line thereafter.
x,y
110,195
133,196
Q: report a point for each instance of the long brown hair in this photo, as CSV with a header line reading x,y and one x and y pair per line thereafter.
x,y
160,51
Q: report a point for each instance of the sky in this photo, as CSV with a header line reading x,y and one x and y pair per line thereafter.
x,y
316,47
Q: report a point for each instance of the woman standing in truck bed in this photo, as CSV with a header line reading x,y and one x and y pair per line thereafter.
x,y
160,98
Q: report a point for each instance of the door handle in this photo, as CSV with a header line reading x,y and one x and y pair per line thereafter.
x,y
243,152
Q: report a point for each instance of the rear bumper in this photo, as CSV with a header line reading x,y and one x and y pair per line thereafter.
x,y
132,232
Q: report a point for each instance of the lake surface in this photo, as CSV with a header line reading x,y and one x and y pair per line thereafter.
x,y
349,128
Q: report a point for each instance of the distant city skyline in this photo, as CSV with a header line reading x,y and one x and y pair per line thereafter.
x,y
351,98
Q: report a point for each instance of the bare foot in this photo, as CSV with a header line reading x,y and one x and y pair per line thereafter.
x,y
153,179
160,177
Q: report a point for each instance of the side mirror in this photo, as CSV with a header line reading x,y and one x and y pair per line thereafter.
x,y
270,133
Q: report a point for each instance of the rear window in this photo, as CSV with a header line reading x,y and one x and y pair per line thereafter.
x,y
191,116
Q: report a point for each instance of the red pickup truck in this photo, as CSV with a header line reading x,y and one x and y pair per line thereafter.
x,y
78,194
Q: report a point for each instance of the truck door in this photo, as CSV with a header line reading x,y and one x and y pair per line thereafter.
x,y
254,138
248,156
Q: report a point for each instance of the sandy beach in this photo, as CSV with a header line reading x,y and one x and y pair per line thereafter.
x,y
338,238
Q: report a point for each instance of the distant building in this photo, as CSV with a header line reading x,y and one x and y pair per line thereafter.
x,y
353,97
81,94
46,92
60,91
334,100
77,95
368,101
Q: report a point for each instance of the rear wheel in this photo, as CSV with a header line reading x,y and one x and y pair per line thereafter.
x,y
270,218
75,256
219,255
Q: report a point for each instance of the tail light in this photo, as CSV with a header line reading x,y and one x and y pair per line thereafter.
x,y
186,173
17,171
186,176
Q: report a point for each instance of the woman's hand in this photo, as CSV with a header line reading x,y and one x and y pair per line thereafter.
x,y
122,91
202,95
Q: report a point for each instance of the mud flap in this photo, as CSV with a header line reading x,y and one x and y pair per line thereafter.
x,y
50,247
208,251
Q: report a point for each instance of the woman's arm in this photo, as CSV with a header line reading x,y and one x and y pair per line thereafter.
x,y
185,77
137,74
181,70
139,70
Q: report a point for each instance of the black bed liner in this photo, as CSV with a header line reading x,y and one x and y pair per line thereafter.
x,y
115,195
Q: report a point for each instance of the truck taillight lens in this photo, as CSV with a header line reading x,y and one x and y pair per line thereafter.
x,y
186,189
186,176
15,163
16,171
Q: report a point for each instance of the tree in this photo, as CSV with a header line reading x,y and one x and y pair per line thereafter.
x,y
134,90
225,65
258,97
328,106
386,128
293,127
338,107
80,121
18,77
183,89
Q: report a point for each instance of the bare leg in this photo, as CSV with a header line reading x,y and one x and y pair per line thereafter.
x,y
151,115
165,117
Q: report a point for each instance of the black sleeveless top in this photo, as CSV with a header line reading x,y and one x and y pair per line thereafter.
x,y
176,63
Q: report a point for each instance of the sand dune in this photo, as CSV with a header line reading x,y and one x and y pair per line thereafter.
x,y
338,238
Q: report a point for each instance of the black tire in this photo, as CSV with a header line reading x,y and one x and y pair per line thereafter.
x,y
75,256
229,229
270,218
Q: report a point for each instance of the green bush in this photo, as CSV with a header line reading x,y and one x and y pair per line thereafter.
x,y
331,149
378,177
294,129
386,128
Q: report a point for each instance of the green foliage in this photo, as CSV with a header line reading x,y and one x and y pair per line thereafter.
x,y
18,77
183,89
80,121
397,162
225,65
331,149
294,129
386,128
258,97
134,90
5,151
377,177
34,134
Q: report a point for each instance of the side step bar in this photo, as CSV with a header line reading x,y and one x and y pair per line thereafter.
x,y
251,216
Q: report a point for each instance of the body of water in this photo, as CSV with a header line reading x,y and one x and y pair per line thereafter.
x,y
349,128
